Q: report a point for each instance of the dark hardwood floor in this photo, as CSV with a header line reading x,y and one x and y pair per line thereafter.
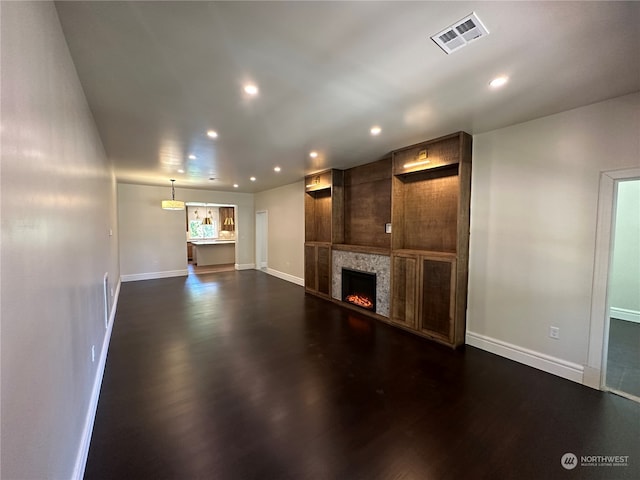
x,y
240,375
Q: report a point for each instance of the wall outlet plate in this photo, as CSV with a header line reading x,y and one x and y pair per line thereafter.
x,y
387,228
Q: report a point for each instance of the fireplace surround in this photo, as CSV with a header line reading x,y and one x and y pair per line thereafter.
x,y
378,265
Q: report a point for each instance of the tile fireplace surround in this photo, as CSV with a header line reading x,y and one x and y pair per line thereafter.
x,y
364,262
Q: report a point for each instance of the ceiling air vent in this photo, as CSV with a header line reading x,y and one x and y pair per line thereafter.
x,y
460,34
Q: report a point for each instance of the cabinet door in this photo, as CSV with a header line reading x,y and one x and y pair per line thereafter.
x,y
403,299
323,267
310,268
437,297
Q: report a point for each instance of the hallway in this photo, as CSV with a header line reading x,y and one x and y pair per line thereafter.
x,y
240,375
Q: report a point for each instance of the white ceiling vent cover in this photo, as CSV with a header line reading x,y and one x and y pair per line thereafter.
x,y
460,34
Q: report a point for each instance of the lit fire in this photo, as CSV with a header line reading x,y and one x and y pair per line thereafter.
x,y
359,300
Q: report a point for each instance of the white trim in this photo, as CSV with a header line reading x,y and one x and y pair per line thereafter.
x,y
262,230
285,276
599,318
87,431
624,314
245,266
153,275
546,363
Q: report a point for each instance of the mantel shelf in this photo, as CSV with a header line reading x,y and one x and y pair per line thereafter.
x,y
361,249
406,251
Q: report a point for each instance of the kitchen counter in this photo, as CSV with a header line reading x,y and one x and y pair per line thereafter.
x,y
211,242
214,252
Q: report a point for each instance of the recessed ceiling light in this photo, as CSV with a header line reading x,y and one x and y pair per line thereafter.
x,y
250,89
192,157
276,169
375,130
235,185
253,179
212,134
181,171
498,82
313,154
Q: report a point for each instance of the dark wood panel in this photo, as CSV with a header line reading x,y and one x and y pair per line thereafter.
x,y
337,200
367,204
436,314
370,172
397,214
309,218
404,294
310,267
431,211
324,269
439,152
318,181
367,210
322,215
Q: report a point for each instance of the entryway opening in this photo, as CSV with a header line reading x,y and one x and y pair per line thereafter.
x,y
623,347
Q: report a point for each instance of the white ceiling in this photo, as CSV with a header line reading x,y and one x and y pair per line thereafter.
x,y
158,75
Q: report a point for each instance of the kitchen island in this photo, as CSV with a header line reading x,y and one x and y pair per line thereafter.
x,y
213,252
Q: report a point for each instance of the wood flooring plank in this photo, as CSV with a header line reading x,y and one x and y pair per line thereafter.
x,y
240,375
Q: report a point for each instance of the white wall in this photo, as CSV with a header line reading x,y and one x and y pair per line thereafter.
x,y
624,287
57,206
533,221
285,207
153,241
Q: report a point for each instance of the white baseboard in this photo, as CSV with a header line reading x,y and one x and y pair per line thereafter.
x,y
87,431
624,314
286,276
245,266
546,363
134,277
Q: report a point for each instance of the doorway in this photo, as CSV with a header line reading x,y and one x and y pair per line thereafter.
x,y
622,374
596,372
262,226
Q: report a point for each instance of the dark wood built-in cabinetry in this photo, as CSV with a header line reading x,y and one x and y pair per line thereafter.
x,y
423,191
324,225
430,241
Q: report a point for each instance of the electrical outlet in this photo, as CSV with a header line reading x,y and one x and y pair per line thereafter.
x,y
112,291
93,353
554,332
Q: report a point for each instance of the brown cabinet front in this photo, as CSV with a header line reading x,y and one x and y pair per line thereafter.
x,y
404,293
317,269
437,302
424,294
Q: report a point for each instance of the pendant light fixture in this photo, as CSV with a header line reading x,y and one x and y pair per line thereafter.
x,y
172,204
207,219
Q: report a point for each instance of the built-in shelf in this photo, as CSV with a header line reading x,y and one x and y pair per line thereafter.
x,y
422,192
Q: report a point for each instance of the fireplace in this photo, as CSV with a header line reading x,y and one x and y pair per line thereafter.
x,y
359,289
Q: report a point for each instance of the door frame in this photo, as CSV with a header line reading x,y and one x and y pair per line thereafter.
x,y
262,236
595,370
